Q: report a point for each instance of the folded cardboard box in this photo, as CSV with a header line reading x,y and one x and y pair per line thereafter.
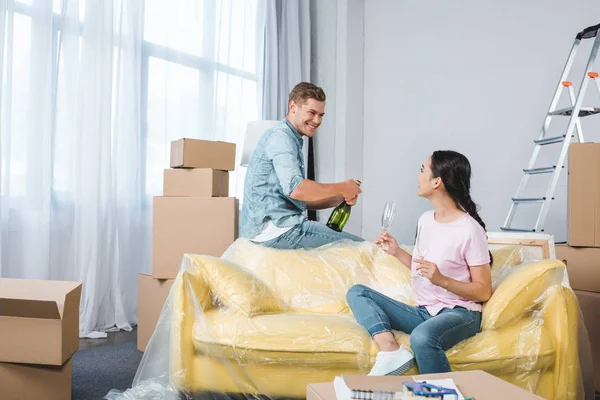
x,y
196,225
583,217
590,308
33,382
196,182
39,321
152,294
195,153
583,266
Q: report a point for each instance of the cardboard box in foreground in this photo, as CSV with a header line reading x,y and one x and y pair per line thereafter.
x,y
152,294
28,382
39,321
476,384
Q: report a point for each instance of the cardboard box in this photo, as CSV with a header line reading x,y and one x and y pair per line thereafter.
x,y
590,307
197,225
196,182
152,294
39,321
33,382
584,195
475,384
583,266
195,153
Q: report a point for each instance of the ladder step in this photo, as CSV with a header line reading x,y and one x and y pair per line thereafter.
x,y
551,140
528,199
535,171
506,229
583,112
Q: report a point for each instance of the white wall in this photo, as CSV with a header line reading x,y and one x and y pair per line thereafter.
x,y
476,77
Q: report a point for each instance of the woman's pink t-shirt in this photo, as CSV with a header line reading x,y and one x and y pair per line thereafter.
x,y
453,247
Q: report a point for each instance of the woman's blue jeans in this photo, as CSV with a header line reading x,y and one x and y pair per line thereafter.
x,y
430,335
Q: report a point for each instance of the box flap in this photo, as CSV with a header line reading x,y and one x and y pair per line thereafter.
x,y
72,299
29,308
38,298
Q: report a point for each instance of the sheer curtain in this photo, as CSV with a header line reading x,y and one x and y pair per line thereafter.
x,y
287,53
92,93
287,63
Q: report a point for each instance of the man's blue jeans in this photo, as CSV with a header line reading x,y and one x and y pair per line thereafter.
x,y
430,335
309,235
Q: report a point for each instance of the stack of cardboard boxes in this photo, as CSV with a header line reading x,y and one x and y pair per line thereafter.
x,y
194,215
582,253
39,333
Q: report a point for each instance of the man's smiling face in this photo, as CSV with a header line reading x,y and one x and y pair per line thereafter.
x,y
307,117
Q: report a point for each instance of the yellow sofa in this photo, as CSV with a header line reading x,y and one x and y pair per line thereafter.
x,y
265,321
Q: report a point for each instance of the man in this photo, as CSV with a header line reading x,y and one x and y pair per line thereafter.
x,y
276,193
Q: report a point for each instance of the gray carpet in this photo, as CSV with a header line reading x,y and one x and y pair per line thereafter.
x,y
98,369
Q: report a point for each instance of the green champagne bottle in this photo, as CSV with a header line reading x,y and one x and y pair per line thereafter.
x,y
340,215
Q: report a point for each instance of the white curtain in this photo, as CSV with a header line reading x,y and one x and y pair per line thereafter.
x,y
92,93
287,60
287,53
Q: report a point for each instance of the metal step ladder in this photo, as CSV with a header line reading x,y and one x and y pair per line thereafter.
x,y
574,112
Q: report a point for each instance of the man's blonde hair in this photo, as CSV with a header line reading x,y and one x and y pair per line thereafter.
x,y
304,91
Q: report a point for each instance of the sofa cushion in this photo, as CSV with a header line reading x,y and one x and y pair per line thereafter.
x,y
236,288
338,339
285,337
317,280
521,292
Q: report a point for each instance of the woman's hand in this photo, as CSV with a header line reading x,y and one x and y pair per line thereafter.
x,y
430,271
388,243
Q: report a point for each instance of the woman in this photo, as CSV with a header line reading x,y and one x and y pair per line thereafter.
x,y
450,275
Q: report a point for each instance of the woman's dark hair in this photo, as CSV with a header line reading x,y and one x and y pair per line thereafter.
x,y
455,171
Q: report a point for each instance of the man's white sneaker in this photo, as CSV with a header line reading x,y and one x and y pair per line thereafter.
x,y
392,362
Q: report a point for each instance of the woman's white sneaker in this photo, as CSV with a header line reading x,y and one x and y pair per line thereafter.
x,y
392,362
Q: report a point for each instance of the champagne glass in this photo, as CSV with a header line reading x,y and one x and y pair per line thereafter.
x,y
387,217
419,251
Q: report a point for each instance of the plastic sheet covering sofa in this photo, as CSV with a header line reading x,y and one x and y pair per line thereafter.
x,y
261,322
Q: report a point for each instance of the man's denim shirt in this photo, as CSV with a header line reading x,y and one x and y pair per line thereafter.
x,y
276,168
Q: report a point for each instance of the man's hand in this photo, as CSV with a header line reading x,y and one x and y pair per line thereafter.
x,y
350,190
352,202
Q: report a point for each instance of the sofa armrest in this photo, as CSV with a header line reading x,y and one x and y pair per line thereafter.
x,y
202,283
190,297
521,292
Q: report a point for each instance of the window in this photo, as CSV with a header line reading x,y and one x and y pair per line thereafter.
x,y
199,79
